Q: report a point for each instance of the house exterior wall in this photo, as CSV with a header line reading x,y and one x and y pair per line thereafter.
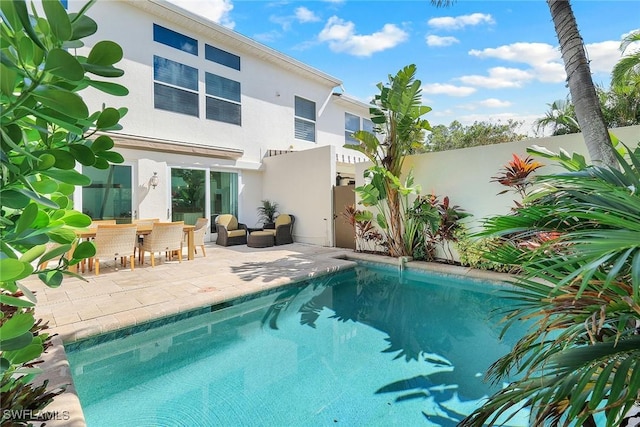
x,y
269,81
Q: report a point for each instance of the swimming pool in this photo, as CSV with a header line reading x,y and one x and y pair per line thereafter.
x,y
363,346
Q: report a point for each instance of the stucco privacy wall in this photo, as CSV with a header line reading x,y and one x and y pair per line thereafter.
x,y
464,175
301,182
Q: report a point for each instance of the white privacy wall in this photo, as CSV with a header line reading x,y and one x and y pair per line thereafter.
x,y
465,174
301,184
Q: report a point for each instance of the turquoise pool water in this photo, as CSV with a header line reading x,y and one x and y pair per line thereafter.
x,y
360,347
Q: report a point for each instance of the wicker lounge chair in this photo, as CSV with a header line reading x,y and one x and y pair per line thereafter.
x,y
164,237
230,231
115,241
283,233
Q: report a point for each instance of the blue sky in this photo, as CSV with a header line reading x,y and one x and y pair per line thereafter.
x,y
477,60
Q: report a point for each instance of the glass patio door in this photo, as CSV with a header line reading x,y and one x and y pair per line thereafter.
x,y
109,196
188,193
223,190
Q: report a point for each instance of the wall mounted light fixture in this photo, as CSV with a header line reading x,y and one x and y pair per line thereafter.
x,y
155,180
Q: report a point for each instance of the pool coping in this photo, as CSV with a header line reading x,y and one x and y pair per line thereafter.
x,y
66,407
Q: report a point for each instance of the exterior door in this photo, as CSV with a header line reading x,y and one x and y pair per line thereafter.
x,y
344,235
188,193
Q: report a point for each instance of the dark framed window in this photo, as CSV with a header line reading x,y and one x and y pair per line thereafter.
x,y
223,99
175,73
305,119
222,57
174,39
351,125
175,87
177,100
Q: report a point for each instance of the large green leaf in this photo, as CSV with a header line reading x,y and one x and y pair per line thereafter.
x,y
30,352
29,214
76,219
59,99
64,159
68,176
13,269
103,70
52,278
15,302
108,117
8,79
14,199
82,26
102,143
33,253
111,156
62,64
83,154
16,325
16,343
109,87
58,19
23,16
84,250
105,53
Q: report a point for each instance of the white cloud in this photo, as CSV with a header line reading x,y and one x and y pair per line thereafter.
x,y
268,37
341,36
603,56
458,22
304,15
544,59
494,103
214,10
447,89
440,41
499,77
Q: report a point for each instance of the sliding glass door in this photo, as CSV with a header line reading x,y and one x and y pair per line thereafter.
x,y
188,195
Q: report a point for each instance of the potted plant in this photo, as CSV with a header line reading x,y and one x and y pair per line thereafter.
x,y
267,213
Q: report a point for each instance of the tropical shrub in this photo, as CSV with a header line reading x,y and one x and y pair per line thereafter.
x,y
580,291
267,212
45,130
471,251
368,238
437,221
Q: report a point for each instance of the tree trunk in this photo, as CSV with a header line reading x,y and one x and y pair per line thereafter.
x,y
581,88
394,236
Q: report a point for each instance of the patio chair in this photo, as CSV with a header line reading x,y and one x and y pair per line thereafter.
x,y
113,241
230,231
164,237
283,233
198,234
143,222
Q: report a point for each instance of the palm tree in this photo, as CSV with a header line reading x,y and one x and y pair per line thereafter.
x,y
627,71
577,242
581,87
560,118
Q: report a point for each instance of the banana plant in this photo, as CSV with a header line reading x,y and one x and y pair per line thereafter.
x,y
398,129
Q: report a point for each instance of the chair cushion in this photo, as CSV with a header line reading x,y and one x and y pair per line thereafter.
x,y
283,219
228,221
270,231
263,233
236,233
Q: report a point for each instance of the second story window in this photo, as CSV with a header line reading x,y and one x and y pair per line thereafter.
x,y
175,87
174,39
353,123
223,99
222,57
305,119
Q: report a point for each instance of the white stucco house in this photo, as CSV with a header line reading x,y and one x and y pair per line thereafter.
x,y
208,107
